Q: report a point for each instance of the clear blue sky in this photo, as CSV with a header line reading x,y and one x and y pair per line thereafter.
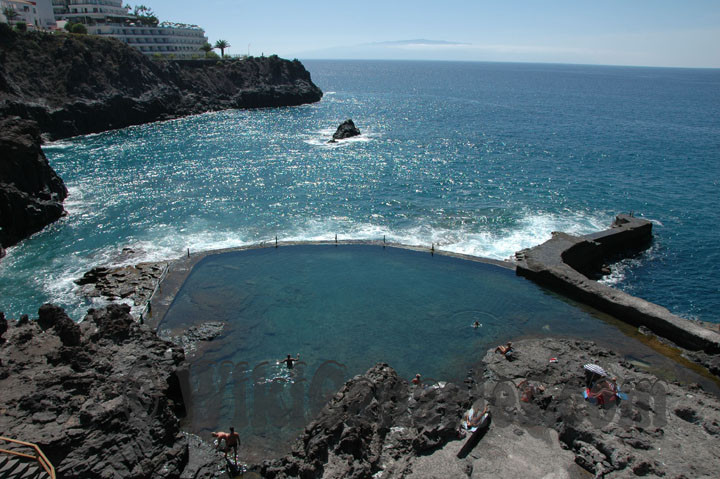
x,y
618,32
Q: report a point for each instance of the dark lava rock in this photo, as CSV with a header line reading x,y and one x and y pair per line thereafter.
x,y
51,316
3,325
190,338
379,425
347,129
78,84
375,414
136,283
640,435
31,193
105,407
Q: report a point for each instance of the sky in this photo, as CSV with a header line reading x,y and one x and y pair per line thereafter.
x,y
676,33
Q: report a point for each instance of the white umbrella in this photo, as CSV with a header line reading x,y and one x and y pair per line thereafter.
x,y
594,368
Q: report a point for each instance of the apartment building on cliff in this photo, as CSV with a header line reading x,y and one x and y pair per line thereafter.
x,y
35,13
111,18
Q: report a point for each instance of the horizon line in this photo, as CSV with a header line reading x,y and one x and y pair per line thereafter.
x,y
509,62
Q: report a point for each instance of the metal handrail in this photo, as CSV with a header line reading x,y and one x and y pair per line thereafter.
x,y
39,456
157,286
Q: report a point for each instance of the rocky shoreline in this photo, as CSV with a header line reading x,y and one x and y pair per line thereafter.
x,y
103,398
134,284
382,426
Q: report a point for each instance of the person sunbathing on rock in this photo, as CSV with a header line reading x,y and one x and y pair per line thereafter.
x,y
477,419
506,351
529,391
603,392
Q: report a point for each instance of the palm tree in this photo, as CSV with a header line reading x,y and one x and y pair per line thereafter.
x,y
10,14
206,47
222,45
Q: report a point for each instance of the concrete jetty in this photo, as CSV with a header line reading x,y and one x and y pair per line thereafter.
x,y
567,264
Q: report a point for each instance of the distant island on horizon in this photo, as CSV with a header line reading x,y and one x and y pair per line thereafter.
x,y
423,49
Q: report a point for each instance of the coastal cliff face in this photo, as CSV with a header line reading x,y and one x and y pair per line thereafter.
x,y
79,84
31,193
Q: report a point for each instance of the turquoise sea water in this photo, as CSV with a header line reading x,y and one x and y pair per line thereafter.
x,y
477,158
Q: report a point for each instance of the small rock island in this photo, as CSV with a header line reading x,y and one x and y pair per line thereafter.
x,y
347,129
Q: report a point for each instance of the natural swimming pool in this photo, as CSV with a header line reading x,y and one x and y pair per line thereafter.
x,y
343,309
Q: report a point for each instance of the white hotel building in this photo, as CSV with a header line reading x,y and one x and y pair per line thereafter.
x,y
111,18
35,14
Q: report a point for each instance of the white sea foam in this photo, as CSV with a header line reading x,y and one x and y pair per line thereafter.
x,y
58,145
619,270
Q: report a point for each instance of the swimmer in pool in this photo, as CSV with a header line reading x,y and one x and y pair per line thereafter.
x,y
289,360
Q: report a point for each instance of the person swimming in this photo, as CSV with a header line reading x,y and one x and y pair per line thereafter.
x,y
290,361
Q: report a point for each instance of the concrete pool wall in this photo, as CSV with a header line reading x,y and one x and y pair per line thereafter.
x,y
564,262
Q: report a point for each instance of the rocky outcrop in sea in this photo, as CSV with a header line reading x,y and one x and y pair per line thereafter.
x,y
135,283
347,129
31,193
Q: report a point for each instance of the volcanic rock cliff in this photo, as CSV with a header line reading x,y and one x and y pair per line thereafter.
x,y
31,193
101,398
78,84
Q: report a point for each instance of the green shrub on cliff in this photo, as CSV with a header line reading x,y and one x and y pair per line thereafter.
x,y
78,28
21,27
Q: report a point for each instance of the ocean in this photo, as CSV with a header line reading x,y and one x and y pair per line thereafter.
x,y
478,158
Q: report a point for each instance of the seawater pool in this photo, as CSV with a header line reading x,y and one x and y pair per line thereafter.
x,y
342,309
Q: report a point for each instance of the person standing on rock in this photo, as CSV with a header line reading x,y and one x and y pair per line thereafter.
x,y
232,440
289,360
